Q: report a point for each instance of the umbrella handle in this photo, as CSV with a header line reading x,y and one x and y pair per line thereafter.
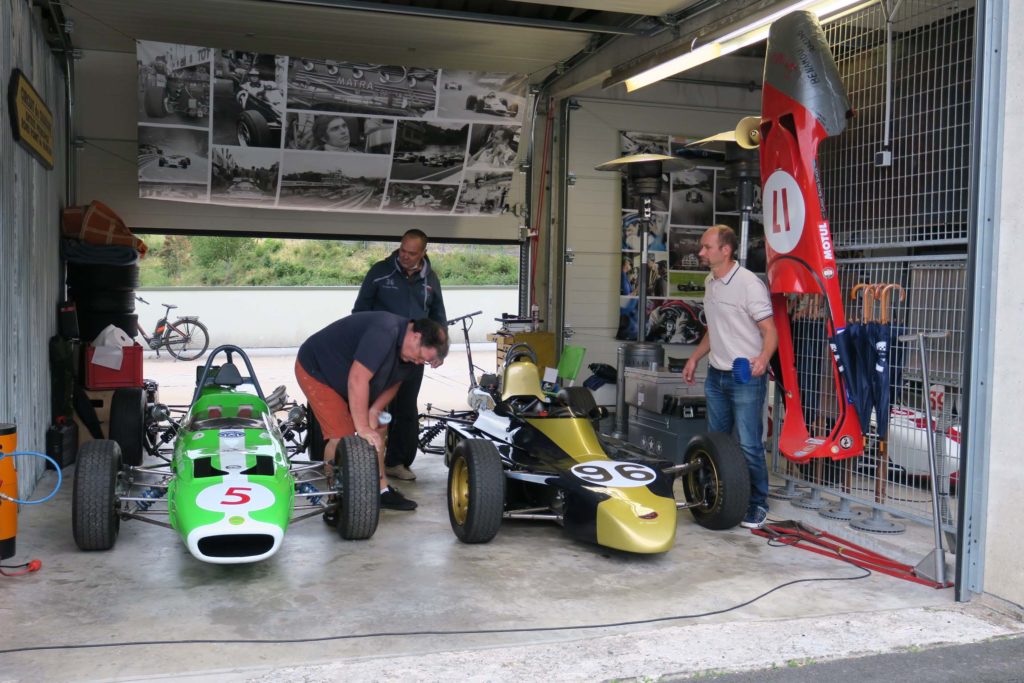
x,y
886,292
869,303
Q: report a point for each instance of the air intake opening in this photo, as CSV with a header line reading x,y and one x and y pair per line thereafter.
x,y
240,545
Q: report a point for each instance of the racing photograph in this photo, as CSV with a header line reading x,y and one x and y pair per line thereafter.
x,y
173,155
174,84
483,192
242,175
429,151
675,322
493,146
684,248
687,284
248,99
482,96
420,197
173,191
633,230
693,196
389,90
337,133
642,143
335,182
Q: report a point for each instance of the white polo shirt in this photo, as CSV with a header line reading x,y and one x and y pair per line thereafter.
x,y
733,305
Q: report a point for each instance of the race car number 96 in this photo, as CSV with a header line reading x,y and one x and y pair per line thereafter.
x,y
228,497
612,473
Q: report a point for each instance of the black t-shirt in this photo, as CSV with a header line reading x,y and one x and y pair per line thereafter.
x,y
373,338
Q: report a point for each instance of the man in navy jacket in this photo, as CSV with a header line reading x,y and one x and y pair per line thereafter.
x,y
404,284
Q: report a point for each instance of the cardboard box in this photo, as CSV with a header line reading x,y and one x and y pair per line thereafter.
x,y
100,377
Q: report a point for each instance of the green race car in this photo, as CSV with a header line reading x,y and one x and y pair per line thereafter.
x,y
233,482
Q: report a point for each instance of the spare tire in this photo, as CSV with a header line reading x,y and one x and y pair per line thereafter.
x,y
128,423
103,301
82,276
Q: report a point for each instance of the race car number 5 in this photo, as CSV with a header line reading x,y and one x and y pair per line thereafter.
x,y
611,473
224,497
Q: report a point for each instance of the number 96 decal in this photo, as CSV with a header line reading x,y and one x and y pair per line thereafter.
x,y
612,473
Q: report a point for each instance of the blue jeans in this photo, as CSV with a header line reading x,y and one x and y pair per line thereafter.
x,y
740,405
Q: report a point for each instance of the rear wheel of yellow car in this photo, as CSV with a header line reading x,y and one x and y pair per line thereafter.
x,y
720,488
359,481
476,491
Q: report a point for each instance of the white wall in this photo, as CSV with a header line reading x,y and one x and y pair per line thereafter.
x,y
1004,571
283,317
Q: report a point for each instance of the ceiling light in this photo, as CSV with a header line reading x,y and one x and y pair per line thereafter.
x,y
668,62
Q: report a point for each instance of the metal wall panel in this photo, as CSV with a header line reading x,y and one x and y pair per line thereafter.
x,y
30,202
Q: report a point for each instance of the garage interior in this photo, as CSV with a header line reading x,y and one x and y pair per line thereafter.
x,y
926,83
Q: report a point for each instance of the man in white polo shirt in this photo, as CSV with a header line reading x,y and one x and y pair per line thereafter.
x,y
740,325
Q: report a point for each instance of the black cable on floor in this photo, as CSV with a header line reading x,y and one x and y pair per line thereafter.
x,y
406,634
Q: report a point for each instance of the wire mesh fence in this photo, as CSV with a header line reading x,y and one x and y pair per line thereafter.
x,y
896,188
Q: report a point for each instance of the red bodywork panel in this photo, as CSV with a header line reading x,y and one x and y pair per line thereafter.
x,y
803,102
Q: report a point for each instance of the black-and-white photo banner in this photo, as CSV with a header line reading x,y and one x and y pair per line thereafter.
x,y
260,130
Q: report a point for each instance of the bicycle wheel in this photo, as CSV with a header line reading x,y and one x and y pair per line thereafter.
x,y
187,339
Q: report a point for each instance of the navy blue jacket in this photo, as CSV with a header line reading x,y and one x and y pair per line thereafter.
x,y
386,287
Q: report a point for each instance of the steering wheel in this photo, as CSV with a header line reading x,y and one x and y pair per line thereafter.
x,y
520,350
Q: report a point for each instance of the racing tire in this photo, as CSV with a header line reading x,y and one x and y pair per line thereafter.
x,y
315,441
188,339
128,423
471,102
103,301
253,130
359,479
161,163
476,491
94,519
723,484
96,277
154,102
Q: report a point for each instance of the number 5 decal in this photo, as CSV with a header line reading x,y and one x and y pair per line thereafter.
x,y
240,493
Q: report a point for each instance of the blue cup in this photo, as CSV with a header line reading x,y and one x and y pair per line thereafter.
x,y
741,370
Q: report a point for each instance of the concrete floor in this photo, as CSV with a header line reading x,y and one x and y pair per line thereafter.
x,y
410,603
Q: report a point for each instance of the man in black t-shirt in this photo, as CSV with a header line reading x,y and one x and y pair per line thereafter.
x,y
352,369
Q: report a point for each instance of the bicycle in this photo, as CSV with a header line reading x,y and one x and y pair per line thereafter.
x,y
185,339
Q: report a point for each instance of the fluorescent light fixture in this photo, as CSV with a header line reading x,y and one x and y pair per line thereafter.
x,y
753,30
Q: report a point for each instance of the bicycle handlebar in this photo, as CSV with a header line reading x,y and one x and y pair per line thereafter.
x,y
141,299
463,317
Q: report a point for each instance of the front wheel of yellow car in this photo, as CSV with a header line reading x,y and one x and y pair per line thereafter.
x,y
719,490
476,491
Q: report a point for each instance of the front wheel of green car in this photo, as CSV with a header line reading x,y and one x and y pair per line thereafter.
x,y
359,480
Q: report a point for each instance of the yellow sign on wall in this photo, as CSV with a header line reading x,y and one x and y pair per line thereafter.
x,y
31,120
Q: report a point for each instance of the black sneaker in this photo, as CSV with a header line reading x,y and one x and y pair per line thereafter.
x,y
392,499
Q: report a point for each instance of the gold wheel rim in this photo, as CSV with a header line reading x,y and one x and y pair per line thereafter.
x,y
459,491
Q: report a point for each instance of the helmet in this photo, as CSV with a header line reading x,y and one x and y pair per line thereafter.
x,y
254,72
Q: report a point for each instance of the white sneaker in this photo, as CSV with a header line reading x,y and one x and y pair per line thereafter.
x,y
400,472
